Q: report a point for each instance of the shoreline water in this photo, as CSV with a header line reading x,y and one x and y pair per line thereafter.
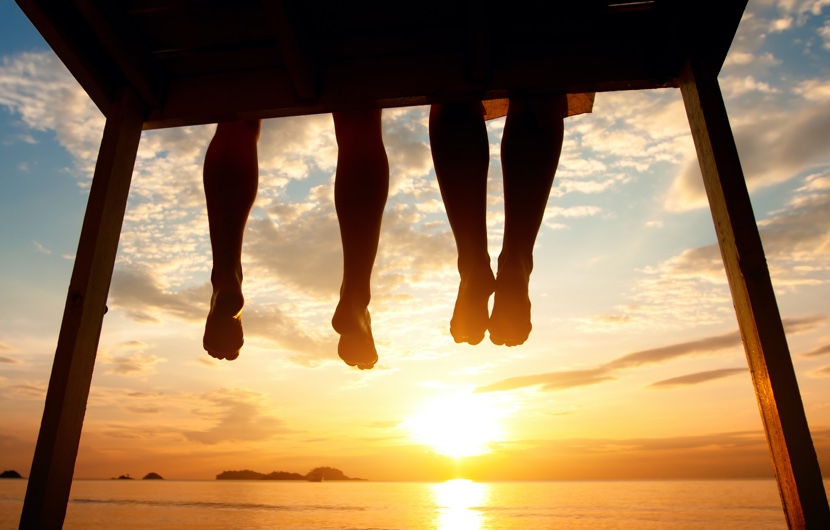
x,y
459,504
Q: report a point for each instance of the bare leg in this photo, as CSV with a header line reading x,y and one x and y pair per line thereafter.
x,y
460,153
230,178
530,151
360,190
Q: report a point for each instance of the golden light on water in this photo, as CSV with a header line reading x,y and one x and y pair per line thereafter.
x,y
458,425
458,503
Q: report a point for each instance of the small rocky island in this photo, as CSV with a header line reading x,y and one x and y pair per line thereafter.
x,y
10,473
318,474
152,476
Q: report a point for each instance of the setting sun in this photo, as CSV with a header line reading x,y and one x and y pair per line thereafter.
x,y
457,425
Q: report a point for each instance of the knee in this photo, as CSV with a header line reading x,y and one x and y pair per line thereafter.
x,y
248,129
457,112
545,111
358,130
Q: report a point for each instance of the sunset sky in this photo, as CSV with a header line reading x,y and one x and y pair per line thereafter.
x,y
634,368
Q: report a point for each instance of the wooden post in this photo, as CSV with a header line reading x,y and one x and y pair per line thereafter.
x,y
63,416
794,457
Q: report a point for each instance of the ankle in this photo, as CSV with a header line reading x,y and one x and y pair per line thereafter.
x,y
229,280
520,262
475,265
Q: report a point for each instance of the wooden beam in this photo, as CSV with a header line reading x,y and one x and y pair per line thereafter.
x,y
115,36
66,33
794,457
392,82
295,57
60,429
478,12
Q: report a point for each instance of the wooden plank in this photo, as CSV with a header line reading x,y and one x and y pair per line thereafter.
x,y
391,82
301,70
123,46
66,34
477,42
794,457
60,429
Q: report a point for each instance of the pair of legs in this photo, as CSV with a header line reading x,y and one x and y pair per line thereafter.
x,y
530,149
361,186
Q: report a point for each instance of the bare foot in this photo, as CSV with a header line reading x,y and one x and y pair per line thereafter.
x,y
356,346
223,329
471,313
510,321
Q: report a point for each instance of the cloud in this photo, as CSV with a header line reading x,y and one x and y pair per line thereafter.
x,y
142,296
821,350
552,381
27,390
699,377
665,353
8,360
275,325
566,379
241,417
774,147
690,288
39,88
137,363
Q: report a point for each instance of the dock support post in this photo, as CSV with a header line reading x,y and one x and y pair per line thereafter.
x,y
60,430
794,457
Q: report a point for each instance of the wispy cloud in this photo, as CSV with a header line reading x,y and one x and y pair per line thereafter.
x,y
561,380
665,353
566,379
821,350
9,360
699,377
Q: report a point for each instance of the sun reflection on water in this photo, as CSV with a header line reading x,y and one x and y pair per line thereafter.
x,y
458,502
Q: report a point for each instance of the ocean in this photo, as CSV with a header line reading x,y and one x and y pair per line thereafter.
x,y
454,505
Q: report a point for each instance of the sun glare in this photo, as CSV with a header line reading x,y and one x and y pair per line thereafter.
x,y
458,425
459,504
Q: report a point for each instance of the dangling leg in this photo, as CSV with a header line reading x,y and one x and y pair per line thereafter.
x,y
460,153
230,178
360,190
530,151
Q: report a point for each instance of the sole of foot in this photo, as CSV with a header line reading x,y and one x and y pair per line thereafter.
x,y
510,320
357,345
223,338
470,317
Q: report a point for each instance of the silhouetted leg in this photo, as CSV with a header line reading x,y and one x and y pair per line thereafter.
x,y
530,149
230,177
360,190
460,153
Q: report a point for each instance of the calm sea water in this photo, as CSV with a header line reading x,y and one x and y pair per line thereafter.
x,y
454,505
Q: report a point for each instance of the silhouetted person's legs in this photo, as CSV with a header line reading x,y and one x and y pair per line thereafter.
x,y
530,148
460,153
230,179
360,190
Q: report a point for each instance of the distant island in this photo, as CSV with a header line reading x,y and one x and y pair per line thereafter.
x,y
318,474
10,473
152,476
